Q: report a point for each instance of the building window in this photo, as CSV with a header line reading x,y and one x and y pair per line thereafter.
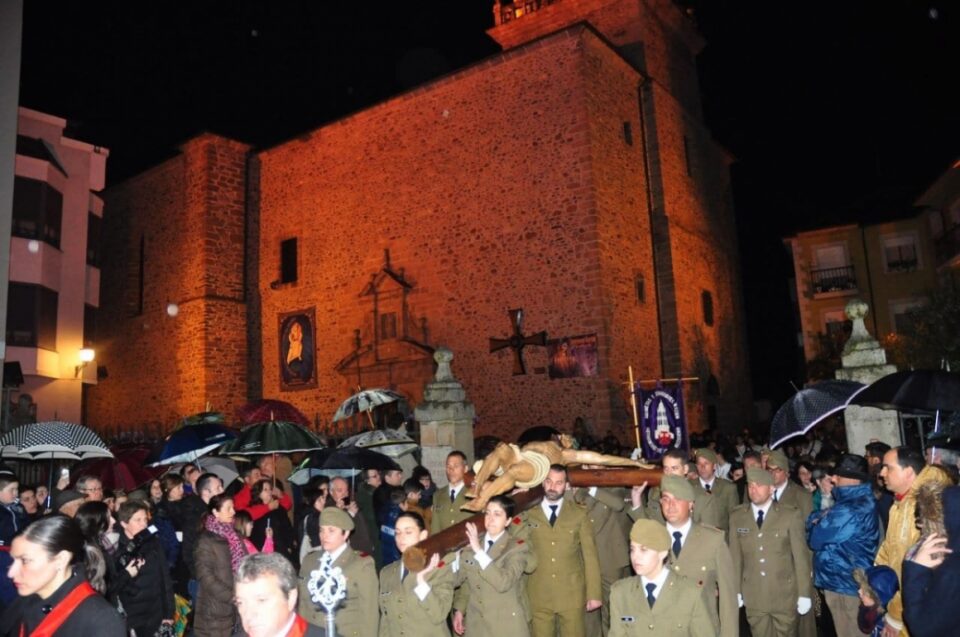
x,y
706,301
37,211
288,261
388,326
833,271
836,324
640,287
900,253
32,316
901,317
93,240
628,133
687,158
89,326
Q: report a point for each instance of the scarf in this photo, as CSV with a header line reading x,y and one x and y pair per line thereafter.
x,y
237,550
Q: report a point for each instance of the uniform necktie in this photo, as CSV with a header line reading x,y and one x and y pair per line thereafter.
x,y
489,545
453,494
708,488
553,514
776,498
650,598
403,573
676,543
760,519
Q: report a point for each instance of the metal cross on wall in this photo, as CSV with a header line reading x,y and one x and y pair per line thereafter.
x,y
518,341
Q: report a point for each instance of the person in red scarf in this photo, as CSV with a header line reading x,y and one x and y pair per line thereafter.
x,y
243,500
266,597
53,567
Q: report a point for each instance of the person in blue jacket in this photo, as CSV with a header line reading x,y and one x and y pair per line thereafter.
x,y
931,577
844,538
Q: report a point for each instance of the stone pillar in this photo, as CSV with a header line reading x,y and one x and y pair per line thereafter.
x,y
445,417
865,361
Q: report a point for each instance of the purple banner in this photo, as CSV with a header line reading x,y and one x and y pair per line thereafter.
x,y
663,422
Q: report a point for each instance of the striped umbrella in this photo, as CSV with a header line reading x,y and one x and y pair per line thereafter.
x,y
54,439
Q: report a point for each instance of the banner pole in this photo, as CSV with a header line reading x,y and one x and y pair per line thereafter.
x,y
633,404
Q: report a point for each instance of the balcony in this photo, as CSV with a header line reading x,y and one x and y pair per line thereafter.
x,y
947,246
510,11
834,280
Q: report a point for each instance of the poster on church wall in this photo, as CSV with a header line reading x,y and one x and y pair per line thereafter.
x,y
573,357
298,368
663,421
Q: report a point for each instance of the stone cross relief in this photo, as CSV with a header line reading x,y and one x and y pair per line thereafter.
x,y
518,341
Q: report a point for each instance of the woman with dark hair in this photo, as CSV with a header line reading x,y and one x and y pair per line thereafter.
x,y
95,522
492,567
142,583
216,556
317,498
284,542
803,475
54,570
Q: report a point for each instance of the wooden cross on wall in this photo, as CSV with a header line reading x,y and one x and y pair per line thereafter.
x,y
518,341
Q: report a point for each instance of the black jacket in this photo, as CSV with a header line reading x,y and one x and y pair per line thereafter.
x,y
94,615
147,598
191,511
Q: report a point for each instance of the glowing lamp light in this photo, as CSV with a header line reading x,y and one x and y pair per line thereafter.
x,y
33,246
173,309
87,356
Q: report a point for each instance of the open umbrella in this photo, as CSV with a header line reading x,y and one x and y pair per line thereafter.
x,y
365,401
190,442
223,468
810,406
389,442
271,409
272,436
340,463
126,470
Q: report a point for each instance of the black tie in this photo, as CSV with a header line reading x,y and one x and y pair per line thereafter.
x,y
489,545
553,514
650,598
403,573
708,488
676,543
775,498
760,519
453,494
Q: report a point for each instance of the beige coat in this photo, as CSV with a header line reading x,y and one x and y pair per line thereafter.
x,y
715,508
446,513
401,611
357,615
679,610
705,561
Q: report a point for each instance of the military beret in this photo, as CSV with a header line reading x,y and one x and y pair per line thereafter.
x,y
678,487
759,476
650,534
65,497
706,453
778,460
332,516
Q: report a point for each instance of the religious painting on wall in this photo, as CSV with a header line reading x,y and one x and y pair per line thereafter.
x,y
573,357
298,332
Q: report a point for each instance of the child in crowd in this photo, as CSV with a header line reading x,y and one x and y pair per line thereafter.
x,y
413,489
878,585
387,519
243,524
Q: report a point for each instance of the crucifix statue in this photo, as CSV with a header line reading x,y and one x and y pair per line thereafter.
x,y
518,341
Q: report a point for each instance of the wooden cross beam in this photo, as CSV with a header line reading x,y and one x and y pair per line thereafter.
x,y
518,341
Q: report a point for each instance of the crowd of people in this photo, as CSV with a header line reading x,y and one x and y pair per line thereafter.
x,y
735,539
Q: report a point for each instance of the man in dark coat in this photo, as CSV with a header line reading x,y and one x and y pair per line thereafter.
x,y
930,584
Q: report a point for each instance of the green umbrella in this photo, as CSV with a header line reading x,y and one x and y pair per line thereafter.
x,y
272,436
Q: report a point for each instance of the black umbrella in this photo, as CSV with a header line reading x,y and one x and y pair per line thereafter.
x,y
922,390
810,406
343,462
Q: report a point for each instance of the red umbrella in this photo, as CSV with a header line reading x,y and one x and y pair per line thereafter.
x,y
270,409
126,470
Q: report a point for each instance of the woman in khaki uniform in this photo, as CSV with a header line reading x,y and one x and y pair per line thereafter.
x,y
415,604
492,598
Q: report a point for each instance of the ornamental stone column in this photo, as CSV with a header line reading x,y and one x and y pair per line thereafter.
x,y
445,417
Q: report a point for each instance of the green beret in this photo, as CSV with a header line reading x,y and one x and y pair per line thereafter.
x,y
678,487
650,534
759,476
332,516
778,460
706,453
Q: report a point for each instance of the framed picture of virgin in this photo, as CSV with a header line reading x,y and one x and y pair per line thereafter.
x,y
298,338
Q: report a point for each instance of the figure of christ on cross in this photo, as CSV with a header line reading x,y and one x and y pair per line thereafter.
x,y
527,467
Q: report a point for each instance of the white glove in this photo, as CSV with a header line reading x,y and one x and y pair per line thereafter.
x,y
636,454
803,605
739,600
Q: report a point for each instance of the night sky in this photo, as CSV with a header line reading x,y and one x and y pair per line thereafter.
x,y
837,112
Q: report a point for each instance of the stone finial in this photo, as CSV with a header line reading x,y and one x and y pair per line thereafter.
x,y
860,338
443,356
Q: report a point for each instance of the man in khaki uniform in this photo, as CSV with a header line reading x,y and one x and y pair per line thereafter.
x,y
605,508
715,510
656,601
357,615
700,554
674,464
448,500
771,560
786,491
567,579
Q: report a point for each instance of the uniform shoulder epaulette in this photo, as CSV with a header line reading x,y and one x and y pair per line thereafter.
x,y
740,507
713,529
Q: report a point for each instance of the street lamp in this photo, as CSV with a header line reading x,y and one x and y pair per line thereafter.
x,y
86,357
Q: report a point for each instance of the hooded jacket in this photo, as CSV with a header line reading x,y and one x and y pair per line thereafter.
x,y
928,593
843,538
902,533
